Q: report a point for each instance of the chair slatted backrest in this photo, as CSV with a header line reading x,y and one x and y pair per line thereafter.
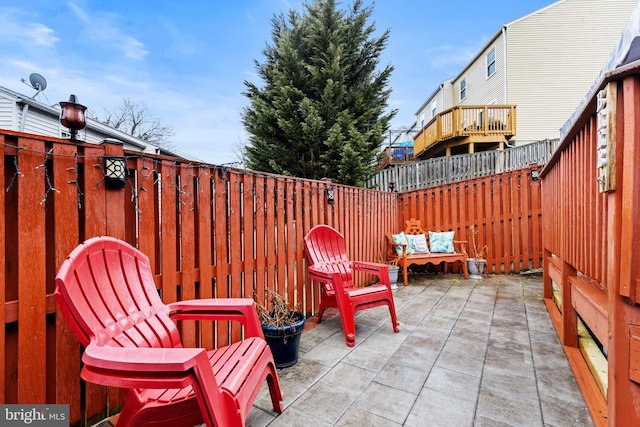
x,y
106,290
325,248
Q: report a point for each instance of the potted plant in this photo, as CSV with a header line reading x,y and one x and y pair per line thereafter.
x,y
477,264
394,269
282,328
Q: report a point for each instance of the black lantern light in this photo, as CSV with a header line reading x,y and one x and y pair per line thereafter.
x,y
72,116
329,191
330,196
392,186
114,172
535,174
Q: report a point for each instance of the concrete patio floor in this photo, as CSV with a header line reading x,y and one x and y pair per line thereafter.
x,y
469,353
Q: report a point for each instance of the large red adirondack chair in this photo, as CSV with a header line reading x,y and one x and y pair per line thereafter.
x,y
328,264
106,291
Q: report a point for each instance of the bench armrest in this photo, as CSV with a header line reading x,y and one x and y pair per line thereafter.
x,y
462,244
391,252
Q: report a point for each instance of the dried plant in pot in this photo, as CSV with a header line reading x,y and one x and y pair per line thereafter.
x,y
393,270
282,328
477,264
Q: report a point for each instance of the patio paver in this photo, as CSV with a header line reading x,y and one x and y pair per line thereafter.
x,y
469,353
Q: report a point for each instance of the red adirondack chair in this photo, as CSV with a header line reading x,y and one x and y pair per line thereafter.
x,y
328,264
106,291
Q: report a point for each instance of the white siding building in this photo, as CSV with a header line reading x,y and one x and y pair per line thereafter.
x,y
542,63
23,114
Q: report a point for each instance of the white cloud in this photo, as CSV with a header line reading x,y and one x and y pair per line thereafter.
x,y
15,29
445,56
102,28
42,35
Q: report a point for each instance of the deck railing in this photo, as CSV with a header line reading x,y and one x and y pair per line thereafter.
x,y
466,121
591,223
209,231
443,170
395,155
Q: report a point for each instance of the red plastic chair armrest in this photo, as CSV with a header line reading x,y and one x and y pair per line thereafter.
x,y
135,367
322,275
375,268
242,310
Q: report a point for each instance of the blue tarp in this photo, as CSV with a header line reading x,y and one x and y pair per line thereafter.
x,y
402,151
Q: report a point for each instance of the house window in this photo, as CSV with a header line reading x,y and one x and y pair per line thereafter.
x,y
463,89
491,62
434,108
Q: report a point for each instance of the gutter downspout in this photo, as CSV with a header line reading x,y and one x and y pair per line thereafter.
x,y
23,120
506,89
504,46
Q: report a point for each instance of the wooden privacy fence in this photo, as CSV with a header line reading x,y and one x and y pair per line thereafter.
x,y
591,223
504,208
209,231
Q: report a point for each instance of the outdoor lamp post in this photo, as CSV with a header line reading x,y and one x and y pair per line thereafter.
x,y
72,116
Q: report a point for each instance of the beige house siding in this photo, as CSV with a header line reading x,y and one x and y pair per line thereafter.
x,y
480,89
424,116
554,56
447,95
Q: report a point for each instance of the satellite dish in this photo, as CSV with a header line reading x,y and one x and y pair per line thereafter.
x,y
37,82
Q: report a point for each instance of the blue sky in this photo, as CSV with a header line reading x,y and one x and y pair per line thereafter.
x,y
187,60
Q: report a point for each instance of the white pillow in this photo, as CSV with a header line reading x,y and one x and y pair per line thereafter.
x,y
417,244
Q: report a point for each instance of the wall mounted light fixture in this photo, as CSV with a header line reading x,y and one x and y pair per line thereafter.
x,y
392,186
330,196
114,172
72,116
329,191
535,174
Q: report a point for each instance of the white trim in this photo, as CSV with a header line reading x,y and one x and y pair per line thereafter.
x,y
506,62
487,64
460,89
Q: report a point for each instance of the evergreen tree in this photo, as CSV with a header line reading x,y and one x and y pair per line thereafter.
x,y
321,110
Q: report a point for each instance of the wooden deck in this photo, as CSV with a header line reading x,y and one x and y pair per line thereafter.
x,y
459,128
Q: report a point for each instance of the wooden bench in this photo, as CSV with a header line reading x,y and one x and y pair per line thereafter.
x,y
414,228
